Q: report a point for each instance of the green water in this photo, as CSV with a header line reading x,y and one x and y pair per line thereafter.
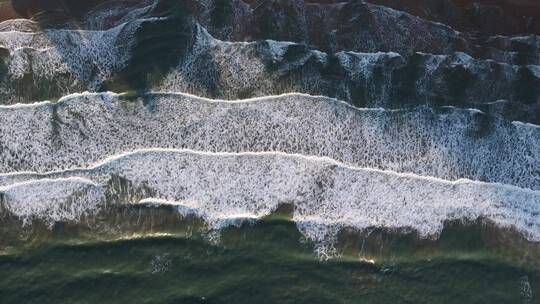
x,y
269,263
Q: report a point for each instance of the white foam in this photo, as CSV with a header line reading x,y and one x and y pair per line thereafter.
x,y
227,70
114,13
76,60
85,128
327,195
218,221
88,57
52,201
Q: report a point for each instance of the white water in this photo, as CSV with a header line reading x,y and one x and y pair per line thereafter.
x,y
449,144
228,189
78,60
87,57
52,200
326,195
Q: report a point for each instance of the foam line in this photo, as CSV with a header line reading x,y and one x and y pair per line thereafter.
x,y
327,195
447,143
228,70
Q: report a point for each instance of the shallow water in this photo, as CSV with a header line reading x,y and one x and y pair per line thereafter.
x,y
155,261
264,263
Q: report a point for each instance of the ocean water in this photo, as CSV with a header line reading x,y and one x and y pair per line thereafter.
x,y
156,151
167,259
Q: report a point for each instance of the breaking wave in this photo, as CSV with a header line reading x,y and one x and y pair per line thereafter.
x,y
220,187
405,163
54,62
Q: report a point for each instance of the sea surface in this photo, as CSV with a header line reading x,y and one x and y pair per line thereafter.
x,y
162,151
267,262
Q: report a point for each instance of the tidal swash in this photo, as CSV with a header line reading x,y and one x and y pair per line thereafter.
x,y
279,151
